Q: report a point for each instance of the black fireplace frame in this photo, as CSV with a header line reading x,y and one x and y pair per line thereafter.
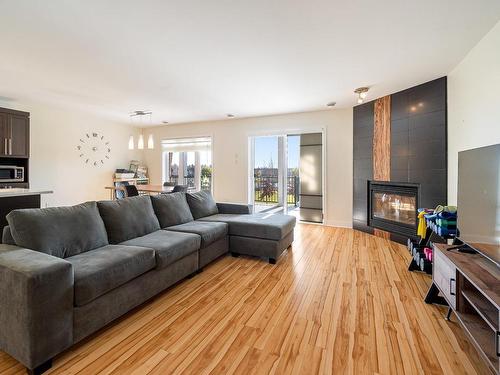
x,y
403,188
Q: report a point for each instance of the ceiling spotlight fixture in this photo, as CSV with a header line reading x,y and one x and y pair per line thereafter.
x,y
331,104
362,93
140,113
230,115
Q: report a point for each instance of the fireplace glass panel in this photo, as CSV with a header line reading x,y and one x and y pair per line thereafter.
x,y
395,207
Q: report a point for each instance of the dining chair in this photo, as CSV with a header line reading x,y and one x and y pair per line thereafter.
x,y
131,191
119,193
180,189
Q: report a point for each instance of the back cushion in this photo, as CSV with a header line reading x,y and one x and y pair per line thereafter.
x,y
59,231
128,218
171,209
201,204
7,236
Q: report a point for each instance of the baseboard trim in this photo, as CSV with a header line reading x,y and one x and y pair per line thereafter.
x,y
338,224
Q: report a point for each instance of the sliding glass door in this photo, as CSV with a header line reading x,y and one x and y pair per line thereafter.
x,y
267,187
286,175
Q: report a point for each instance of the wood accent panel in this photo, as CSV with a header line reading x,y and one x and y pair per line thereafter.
x,y
339,301
382,139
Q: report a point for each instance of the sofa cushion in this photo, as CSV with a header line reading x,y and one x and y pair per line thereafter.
x,y
171,209
209,231
266,226
59,231
201,204
128,218
169,246
101,270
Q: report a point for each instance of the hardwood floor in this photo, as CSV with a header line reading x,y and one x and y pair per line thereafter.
x,y
338,302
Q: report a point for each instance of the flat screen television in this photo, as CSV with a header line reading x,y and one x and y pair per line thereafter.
x,y
479,200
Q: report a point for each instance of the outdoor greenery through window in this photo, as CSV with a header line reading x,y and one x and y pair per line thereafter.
x,y
188,162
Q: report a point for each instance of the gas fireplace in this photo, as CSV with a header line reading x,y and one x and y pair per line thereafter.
x,y
393,206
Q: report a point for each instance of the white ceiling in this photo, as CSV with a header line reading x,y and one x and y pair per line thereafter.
x,y
193,60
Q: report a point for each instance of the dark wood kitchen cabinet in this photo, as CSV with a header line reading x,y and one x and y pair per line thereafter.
x,y
14,133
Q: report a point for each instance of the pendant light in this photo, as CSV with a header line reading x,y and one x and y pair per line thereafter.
x,y
140,141
151,141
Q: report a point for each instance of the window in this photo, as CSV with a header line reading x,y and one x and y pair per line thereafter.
x,y
188,161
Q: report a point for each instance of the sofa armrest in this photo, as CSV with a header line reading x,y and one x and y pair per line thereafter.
x,y
234,208
36,309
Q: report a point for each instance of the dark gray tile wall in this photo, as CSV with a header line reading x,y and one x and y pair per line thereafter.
x,y
418,140
362,162
418,145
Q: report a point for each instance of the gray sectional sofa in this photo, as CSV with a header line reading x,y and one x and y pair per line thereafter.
x,y
66,272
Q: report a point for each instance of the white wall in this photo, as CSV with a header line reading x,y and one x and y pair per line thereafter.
x,y
230,157
55,163
473,103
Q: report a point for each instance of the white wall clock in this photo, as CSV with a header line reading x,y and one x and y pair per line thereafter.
x,y
94,149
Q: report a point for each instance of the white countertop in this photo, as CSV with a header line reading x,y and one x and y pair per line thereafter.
x,y
15,192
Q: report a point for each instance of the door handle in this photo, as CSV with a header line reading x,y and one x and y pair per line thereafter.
x,y
5,149
10,146
452,290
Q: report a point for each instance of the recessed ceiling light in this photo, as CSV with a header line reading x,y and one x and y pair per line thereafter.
x,y
230,115
331,104
164,122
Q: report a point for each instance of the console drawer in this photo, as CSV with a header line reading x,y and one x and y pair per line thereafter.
x,y
444,275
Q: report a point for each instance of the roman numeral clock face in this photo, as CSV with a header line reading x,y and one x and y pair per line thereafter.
x,y
94,149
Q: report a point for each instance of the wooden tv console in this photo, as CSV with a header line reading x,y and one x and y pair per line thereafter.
x,y
470,285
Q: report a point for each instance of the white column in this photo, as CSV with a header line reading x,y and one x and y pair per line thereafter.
x,y
197,171
281,172
251,171
182,166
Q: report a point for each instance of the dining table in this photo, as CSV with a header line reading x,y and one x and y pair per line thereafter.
x,y
142,189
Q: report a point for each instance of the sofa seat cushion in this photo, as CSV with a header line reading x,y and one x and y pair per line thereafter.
x,y
201,204
171,209
101,270
209,231
128,218
265,226
169,246
58,231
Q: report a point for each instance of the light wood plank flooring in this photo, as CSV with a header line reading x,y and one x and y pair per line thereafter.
x,y
339,302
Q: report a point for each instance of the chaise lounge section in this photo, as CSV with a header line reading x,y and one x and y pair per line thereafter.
x,y
66,272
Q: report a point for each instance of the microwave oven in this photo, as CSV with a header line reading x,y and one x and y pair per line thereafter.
x,y
11,173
